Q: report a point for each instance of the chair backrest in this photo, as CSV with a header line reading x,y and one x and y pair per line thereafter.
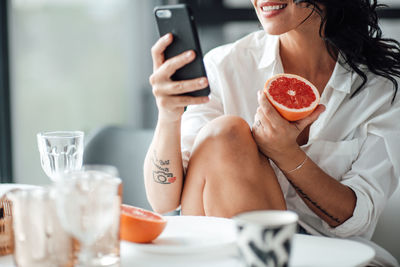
x,y
124,148
387,232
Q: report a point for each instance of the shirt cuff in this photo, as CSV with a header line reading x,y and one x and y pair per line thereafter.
x,y
358,223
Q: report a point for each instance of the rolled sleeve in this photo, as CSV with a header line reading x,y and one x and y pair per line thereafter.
x,y
372,178
358,223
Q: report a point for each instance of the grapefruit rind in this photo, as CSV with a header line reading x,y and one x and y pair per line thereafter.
x,y
141,213
137,227
292,114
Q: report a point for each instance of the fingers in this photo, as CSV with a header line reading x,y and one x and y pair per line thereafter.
x,y
301,124
168,96
164,69
171,102
260,121
181,87
157,51
171,65
268,110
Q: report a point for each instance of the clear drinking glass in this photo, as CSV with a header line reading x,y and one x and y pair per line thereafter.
x,y
60,152
108,169
86,205
106,250
39,238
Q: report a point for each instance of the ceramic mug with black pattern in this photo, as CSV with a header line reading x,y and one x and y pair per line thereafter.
x,y
264,237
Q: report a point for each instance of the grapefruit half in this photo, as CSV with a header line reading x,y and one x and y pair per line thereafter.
x,y
139,225
292,96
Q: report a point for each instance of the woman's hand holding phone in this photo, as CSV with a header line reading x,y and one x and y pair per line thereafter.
x,y
168,93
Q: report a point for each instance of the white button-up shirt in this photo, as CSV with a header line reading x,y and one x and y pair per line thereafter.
x,y
356,140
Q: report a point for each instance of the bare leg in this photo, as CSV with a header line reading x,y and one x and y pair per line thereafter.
x,y
227,174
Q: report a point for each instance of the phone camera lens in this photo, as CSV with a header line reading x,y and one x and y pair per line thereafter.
x,y
163,14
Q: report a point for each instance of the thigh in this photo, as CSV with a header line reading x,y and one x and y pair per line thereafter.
x,y
252,185
227,174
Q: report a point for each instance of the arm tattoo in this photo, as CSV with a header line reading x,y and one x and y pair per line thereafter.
x,y
161,173
315,204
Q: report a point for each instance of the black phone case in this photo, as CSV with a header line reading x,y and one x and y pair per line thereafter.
x,y
181,24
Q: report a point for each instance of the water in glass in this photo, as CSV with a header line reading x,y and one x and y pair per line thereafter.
x,y
106,250
86,206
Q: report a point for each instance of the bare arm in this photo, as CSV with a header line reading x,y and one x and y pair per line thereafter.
x,y
163,171
163,168
329,199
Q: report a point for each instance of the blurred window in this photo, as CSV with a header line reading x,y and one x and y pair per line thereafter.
x,y
75,65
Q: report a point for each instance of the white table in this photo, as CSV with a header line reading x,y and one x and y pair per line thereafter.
x,y
199,241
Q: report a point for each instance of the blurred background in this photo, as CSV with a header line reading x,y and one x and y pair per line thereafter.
x,y
84,64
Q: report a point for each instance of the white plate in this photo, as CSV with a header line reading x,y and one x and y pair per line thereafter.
x,y
321,251
192,234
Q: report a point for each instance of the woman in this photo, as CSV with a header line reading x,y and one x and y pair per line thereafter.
x,y
336,168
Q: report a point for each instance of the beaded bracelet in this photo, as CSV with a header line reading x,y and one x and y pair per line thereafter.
x,y
300,165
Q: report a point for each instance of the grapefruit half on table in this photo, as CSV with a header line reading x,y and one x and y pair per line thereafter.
x,y
139,225
292,96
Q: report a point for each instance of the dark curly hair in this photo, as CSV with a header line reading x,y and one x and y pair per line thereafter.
x,y
350,28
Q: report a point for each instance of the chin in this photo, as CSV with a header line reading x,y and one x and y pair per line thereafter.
x,y
273,30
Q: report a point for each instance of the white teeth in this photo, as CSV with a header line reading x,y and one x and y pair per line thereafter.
x,y
271,8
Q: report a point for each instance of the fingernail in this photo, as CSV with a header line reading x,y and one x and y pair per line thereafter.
x,y
203,81
189,54
166,37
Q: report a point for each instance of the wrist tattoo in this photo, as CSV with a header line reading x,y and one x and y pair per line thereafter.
x,y
315,204
161,173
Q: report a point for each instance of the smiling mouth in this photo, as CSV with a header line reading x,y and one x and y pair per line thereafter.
x,y
270,8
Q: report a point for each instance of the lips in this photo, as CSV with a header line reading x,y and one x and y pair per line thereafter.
x,y
270,9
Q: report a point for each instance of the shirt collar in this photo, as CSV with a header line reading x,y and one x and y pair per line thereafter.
x,y
341,79
271,52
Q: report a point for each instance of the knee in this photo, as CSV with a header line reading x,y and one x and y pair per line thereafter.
x,y
225,130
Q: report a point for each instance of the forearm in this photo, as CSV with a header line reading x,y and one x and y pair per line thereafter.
x,y
163,169
328,198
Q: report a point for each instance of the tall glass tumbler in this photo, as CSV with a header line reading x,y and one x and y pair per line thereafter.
x,y
87,204
39,238
106,250
60,152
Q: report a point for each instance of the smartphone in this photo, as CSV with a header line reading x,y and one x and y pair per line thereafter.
x,y
179,20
